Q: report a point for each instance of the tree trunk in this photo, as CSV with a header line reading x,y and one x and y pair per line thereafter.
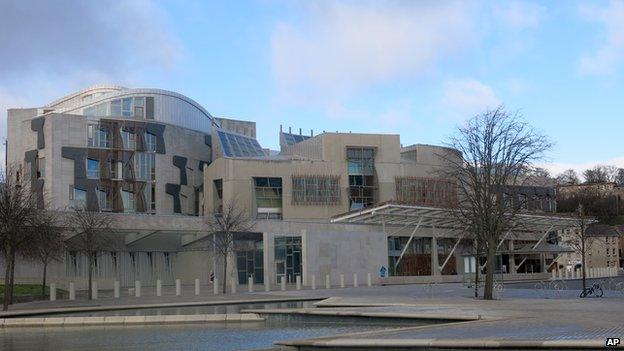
x,y
477,269
43,284
224,271
583,262
489,274
90,293
7,282
12,279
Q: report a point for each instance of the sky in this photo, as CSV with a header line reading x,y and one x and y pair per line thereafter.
x,y
414,68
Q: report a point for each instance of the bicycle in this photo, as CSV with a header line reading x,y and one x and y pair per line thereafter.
x,y
595,290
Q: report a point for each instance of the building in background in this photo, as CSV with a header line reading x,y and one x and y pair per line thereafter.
x,y
328,204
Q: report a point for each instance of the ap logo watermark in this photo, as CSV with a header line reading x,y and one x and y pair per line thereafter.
x,y
612,342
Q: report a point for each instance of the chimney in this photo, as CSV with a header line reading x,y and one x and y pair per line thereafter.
x,y
280,128
289,130
311,132
299,131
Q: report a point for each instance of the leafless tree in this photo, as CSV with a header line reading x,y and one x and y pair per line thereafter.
x,y
579,241
222,227
567,177
601,174
47,242
498,150
619,178
90,229
18,210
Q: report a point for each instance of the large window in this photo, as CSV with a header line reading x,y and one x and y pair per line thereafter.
x,y
361,171
129,139
425,191
77,197
269,197
126,107
93,168
144,166
149,194
287,258
98,136
127,199
104,199
41,168
315,190
150,142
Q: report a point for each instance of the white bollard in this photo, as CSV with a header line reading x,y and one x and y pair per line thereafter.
x,y
267,285
327,282
52,292
283,283
591,272
342,284
72,291
158,287
567,274
250,284
178,287
313,282
298,280
233,285
94,291
554,274
116,289
559,274
369,280
215,286
355,281
196,286
137,288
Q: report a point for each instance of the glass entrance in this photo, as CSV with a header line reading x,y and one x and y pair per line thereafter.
x,y
250,263
287,258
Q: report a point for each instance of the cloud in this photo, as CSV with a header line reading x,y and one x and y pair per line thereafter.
x,y
345,47
557,168
610,53
520,14
463,98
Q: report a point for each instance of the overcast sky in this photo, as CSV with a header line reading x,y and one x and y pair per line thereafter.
x,y
414,68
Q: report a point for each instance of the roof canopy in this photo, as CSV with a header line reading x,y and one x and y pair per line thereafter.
x,y
401,215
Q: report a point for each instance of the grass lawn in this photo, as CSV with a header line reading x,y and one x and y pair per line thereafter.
x,y
25,290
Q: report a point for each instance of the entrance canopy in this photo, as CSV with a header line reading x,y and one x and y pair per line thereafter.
x,y
391,214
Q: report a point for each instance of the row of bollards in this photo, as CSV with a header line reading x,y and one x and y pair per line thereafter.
x,y
598,272
136,290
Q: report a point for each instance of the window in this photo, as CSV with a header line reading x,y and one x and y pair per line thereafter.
x,y
115,108
126,107
150,142
129,139
139,107
104,200
427,191
127,199
41,168
149,193
93,168
268,197
361,171
315,190
98,136
144,166
77,197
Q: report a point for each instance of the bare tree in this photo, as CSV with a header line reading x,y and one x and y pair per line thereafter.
x,y
90,229
18,210
579,241
48,242
619,178
567,177
498,150
222,227
601,174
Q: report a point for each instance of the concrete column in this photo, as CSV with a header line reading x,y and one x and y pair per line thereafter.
x,y
215,286
355,281
250,284
233,285
52,292
94,291
298,281
137,288
196,286
178,287
369,280
283,283
435,264
342,284
553,274
559,274
327,282
567,273
267,285
158,287
512,259
313,282
72,291
543,263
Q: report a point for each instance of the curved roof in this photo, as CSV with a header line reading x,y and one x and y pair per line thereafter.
x,y
91,89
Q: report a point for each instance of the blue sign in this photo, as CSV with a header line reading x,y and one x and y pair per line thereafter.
x,y
382,271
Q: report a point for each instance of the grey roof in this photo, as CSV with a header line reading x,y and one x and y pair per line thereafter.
x,y
602,230
543,247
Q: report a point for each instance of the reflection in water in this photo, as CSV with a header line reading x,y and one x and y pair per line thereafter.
x,y
235,336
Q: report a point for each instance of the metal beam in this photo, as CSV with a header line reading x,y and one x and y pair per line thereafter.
x,y
408,243
543,236
134,237
450,254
